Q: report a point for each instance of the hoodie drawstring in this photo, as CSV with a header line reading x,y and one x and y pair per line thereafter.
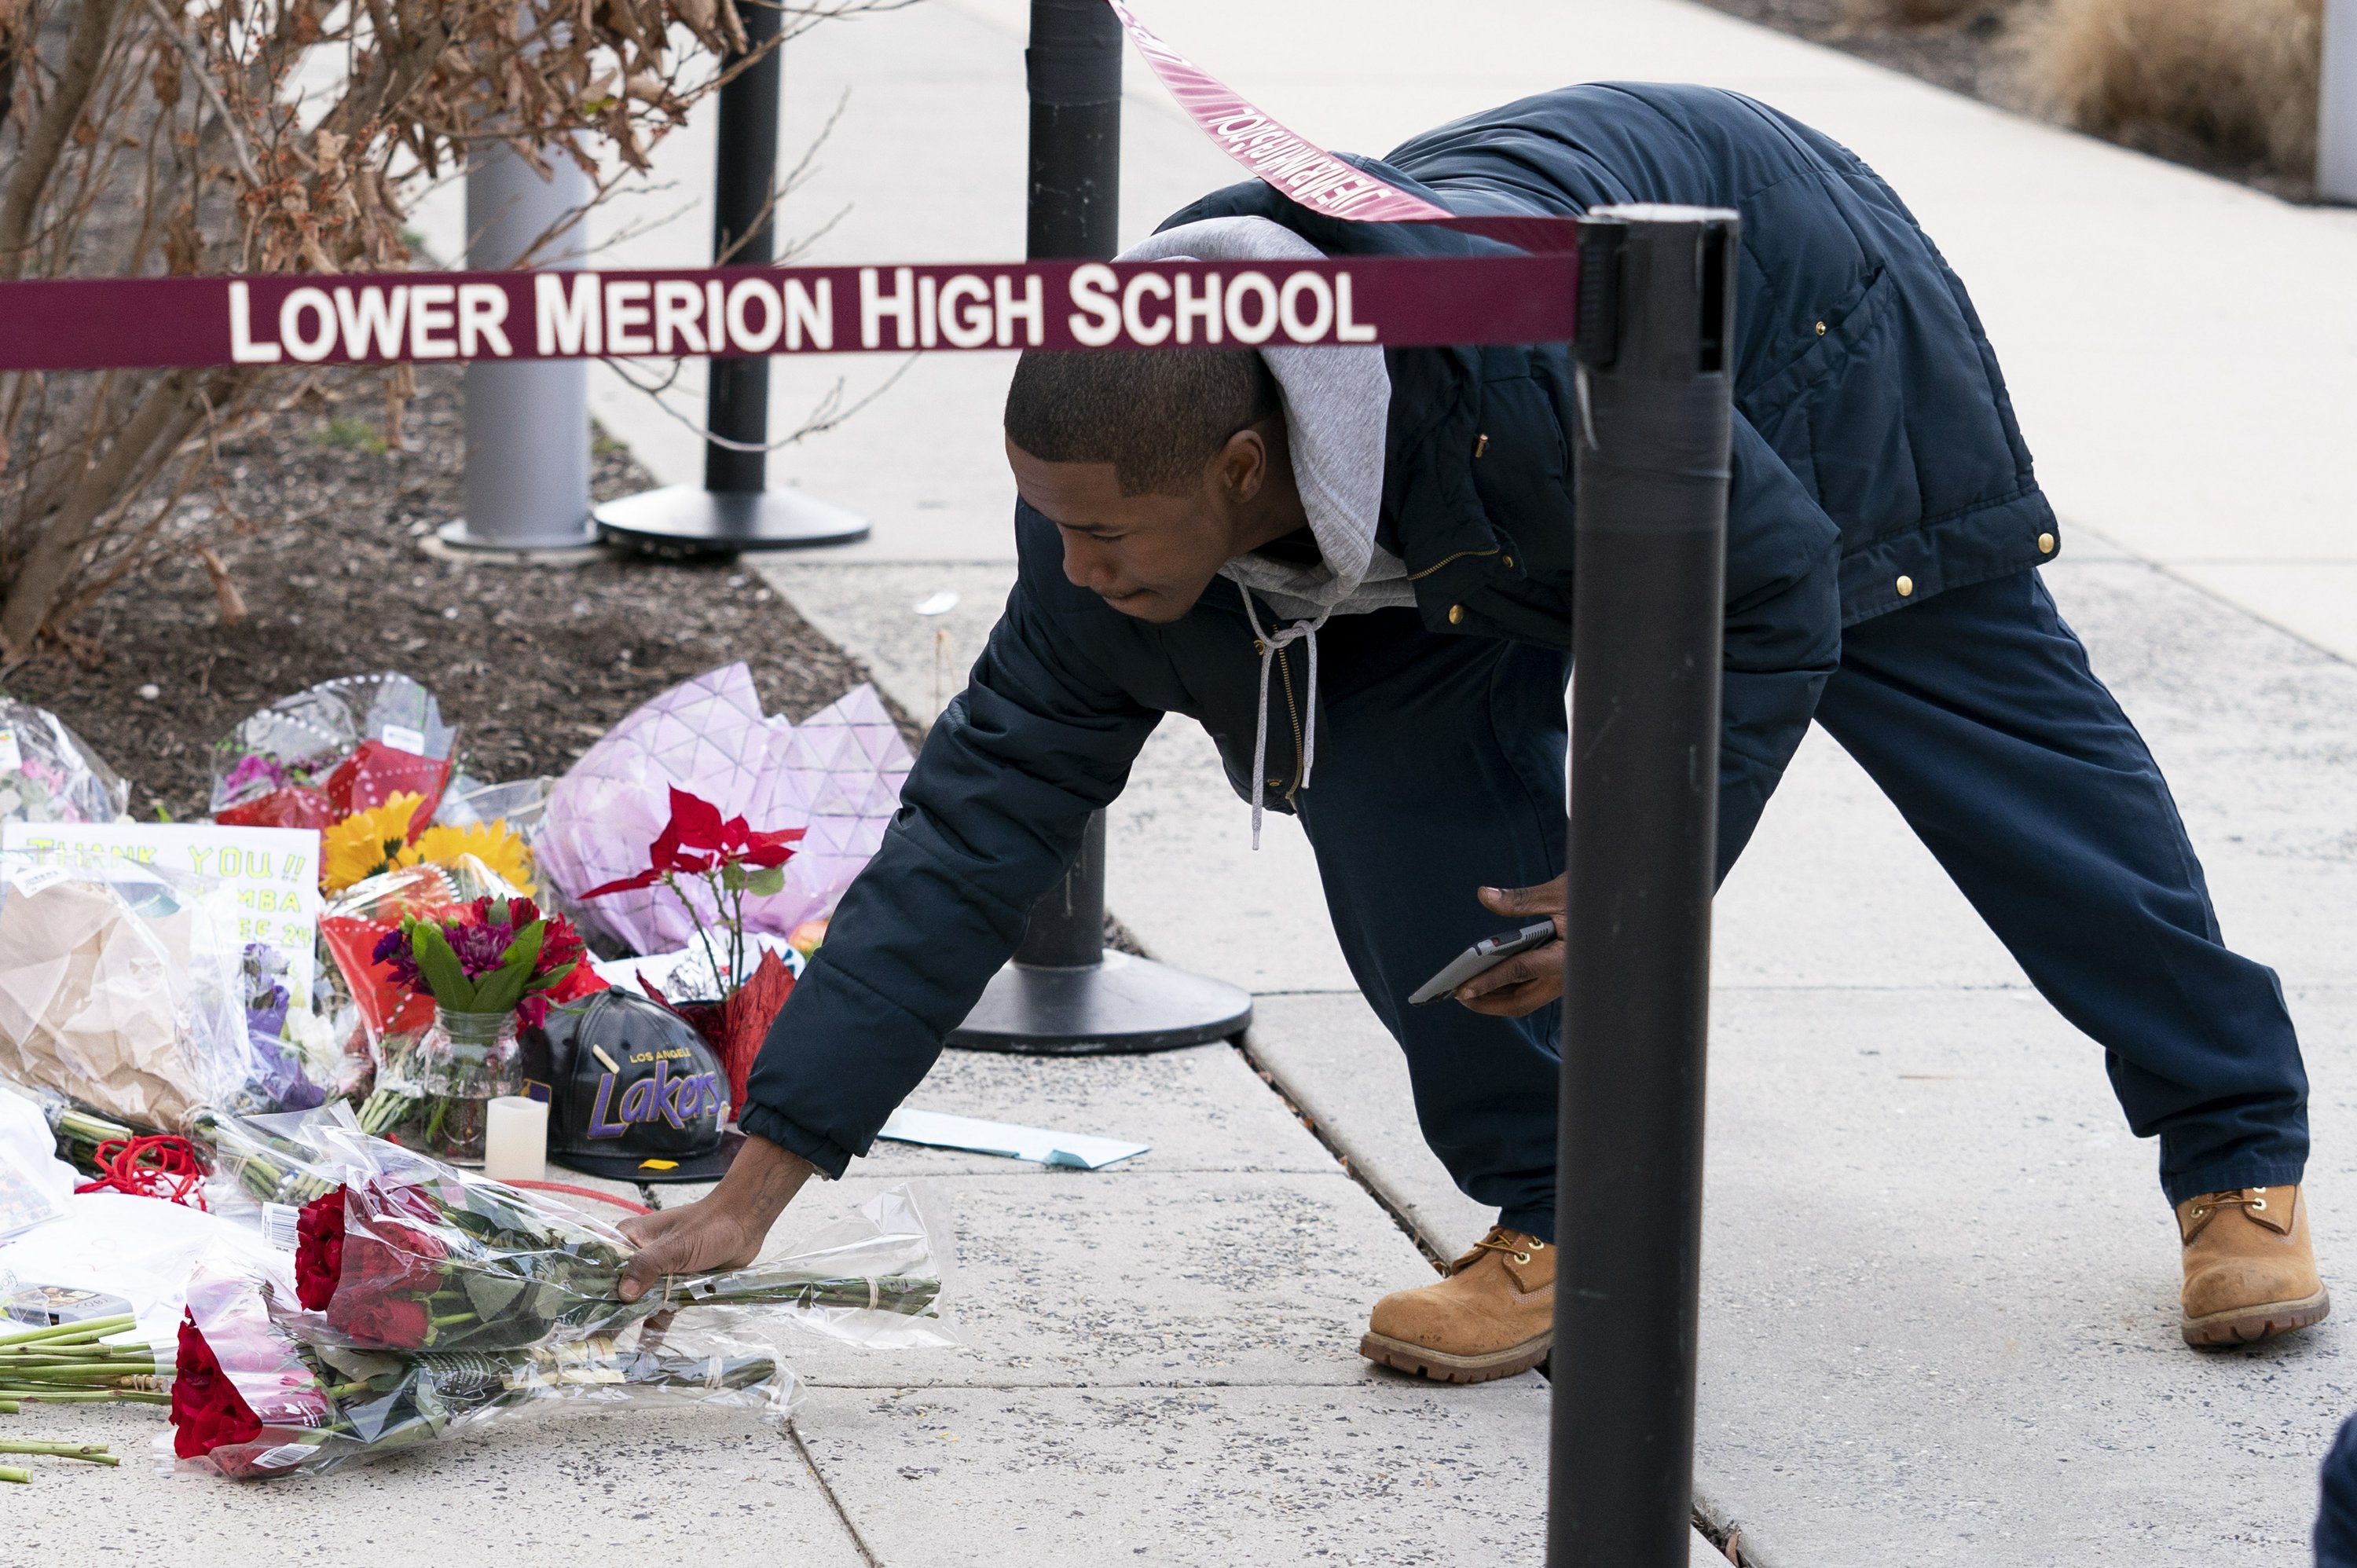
x,y
1267,643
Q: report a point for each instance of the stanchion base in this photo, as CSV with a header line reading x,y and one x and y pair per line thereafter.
x,y
456,538
1123,1006
684,521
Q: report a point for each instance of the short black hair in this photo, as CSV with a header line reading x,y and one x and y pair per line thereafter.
x,y
1157,417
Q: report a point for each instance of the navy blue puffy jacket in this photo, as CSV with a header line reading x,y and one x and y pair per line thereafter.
x,y
1874,445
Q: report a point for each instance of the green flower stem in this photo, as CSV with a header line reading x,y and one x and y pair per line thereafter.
x,y
453,1318
88,1452
671,880
11,1473
911,1295
91,1329
7,1407
386,1109
83,1396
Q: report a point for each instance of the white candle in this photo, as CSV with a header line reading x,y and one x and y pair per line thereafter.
x,y
515,1139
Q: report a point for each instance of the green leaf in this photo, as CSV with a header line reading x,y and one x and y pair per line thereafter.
x,y
499,990
446,977
732,875
767,882
491,1293
555,977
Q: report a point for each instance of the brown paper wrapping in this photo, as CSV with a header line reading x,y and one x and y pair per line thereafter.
x,y
94,1002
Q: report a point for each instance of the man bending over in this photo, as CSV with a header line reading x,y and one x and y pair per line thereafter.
x,y
1386,536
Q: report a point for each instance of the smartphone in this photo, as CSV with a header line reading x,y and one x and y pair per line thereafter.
x,y
1482,956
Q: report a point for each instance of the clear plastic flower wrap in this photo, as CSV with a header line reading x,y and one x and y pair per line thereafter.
x,y
48,774
411,1255
324,752
254,1398
279,1159
122,988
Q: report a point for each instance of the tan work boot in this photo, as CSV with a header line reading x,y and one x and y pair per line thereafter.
x,y
2250,1273
1491,1318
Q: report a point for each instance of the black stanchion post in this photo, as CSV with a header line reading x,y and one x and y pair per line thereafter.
x,y
1063,993
734,510
1074,71
744,234
1655,321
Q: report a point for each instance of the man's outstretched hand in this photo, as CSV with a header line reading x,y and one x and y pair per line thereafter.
x,y
1528,981
724,1229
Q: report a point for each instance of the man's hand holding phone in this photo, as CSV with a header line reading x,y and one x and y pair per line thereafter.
x,y
1528,979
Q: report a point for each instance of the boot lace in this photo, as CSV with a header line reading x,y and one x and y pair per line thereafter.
x,y
1512,1243
2209,1203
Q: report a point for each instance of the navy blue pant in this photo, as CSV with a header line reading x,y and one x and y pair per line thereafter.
x,y
1440,768
2336,1518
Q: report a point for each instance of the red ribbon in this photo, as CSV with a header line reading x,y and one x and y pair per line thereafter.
x,y
155,1166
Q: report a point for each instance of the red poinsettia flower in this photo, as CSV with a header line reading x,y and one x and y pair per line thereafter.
x,y
632,884
208,1413
319,1249
697,841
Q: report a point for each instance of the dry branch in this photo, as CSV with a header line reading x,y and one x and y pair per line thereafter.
x,y
115,163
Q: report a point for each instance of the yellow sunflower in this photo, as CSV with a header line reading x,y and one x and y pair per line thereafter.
x,y
367,844
500,847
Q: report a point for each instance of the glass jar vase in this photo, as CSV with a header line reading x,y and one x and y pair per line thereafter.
x,y
462,1063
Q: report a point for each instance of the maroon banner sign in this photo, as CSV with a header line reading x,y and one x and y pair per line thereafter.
x,y
308,320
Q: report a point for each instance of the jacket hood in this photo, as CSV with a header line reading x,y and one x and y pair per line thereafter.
x,y
1337,408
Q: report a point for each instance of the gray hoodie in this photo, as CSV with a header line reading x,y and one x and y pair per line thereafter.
x,y
1337,404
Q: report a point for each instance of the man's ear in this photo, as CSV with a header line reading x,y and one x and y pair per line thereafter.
x,y
1242,467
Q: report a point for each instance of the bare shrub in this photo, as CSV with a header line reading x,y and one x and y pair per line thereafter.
x,y
2197,79
186,136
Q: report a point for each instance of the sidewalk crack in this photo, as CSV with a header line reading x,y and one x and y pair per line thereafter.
x,y
859,1541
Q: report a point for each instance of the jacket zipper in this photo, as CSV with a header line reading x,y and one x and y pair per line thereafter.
x,y
1436,565
1292,710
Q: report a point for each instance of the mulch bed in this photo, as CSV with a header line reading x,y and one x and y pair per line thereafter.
x,y
321,531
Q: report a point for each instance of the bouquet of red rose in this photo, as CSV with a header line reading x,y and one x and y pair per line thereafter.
x,y
727,862
412,1255
254,1399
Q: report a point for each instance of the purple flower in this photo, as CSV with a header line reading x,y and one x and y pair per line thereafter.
x,y
254,769
393,949
480,949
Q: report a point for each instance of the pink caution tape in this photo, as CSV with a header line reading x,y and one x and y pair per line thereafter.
x,y
1301,169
